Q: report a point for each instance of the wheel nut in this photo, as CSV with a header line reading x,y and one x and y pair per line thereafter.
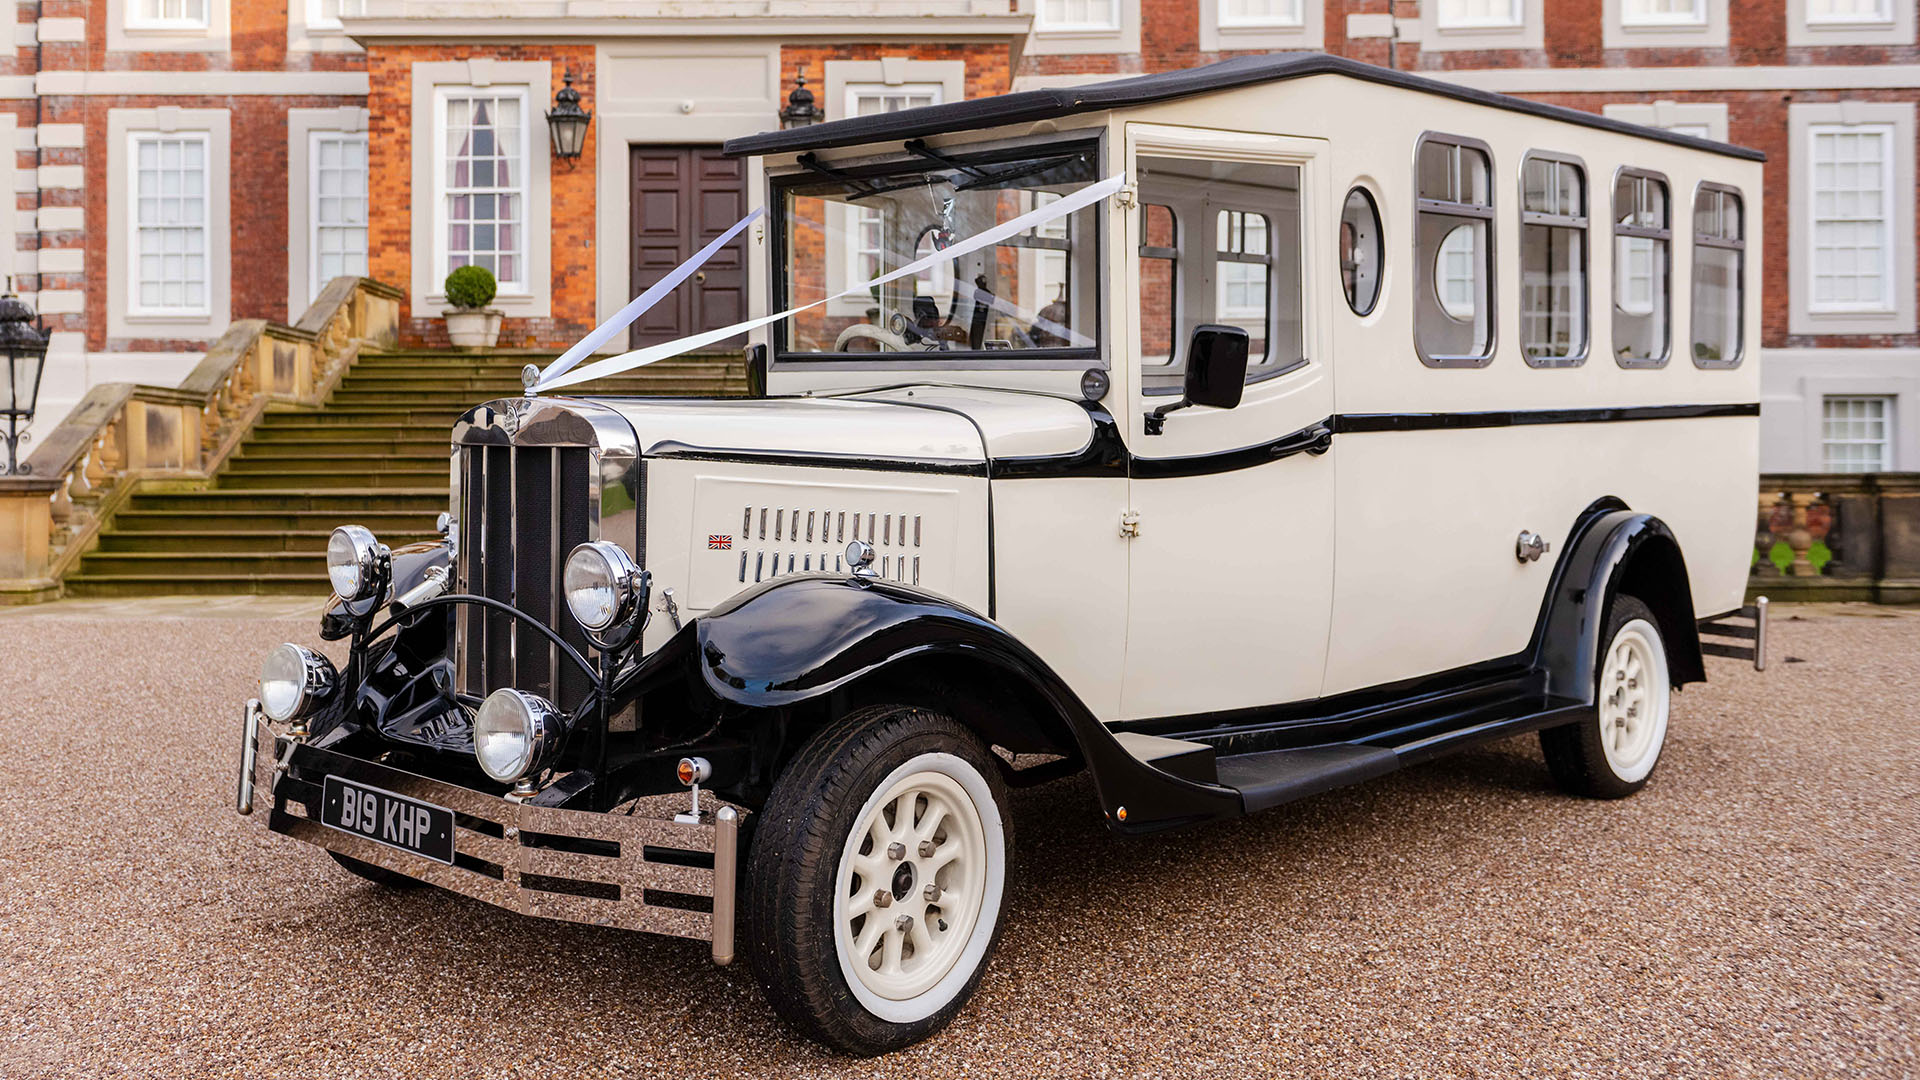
x,y
903,922
882,898
931,892
926,849
896,851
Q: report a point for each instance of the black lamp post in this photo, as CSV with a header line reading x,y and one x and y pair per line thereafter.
x,y
23,350
567,122
800,110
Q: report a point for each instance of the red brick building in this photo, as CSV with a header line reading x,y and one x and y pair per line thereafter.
x,y
287,114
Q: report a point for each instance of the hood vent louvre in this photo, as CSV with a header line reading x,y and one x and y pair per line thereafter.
x,y
780,540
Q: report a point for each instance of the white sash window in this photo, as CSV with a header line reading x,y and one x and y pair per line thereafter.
x,y
338,191
170,211
483,173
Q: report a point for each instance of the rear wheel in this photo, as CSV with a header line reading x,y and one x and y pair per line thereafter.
x,y
876,878
1611,753
379,875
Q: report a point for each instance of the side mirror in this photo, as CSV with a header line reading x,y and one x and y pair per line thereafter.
x,y
1216,373
756,364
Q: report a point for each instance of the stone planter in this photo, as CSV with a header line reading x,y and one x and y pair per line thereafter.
x,y
473,328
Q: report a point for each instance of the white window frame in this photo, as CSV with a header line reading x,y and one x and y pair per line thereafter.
x,y
125,320
1526,30
1228,20
1893,26
1888,441
1516,14
133,141
1121,38
1706,28
1220,32
314,138
128,31
1889,249
1041,25
302,126
1695,17
522,285
318,19
136,19
1804,316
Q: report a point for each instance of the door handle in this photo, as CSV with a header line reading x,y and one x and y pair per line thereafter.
x,y
700,277
1321,439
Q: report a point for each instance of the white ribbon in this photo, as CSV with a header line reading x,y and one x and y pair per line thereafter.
x,y
625,316
614,365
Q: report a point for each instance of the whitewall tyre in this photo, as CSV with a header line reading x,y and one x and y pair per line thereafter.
x,y
877,878
1611,753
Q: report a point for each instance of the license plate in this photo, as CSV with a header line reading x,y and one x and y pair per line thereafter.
x,y
409,825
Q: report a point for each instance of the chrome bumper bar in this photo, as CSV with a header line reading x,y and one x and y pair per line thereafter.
x,y
580,866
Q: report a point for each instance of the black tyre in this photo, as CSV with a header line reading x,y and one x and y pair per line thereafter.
x,y
379,875
1610,754
876,878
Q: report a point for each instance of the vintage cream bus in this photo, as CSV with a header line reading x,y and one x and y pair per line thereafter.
x,y
1232,434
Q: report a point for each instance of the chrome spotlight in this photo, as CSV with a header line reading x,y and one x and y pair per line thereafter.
x,y
606,592
357,564
516,734
295,682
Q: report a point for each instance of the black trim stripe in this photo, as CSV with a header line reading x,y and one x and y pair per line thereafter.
x,y
1364,422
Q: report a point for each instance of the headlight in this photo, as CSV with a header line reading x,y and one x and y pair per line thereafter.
x,y
294,682
354,561
514,734
603,585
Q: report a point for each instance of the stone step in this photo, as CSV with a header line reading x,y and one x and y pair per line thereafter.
x,y
286,458
233,479
344,501
238,564
308,541
238,523
129,585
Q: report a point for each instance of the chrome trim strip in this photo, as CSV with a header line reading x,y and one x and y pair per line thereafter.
x,y
249,737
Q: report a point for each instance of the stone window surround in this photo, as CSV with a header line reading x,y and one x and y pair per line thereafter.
x,y
1903,434
302,125
1310,34
1896,30
1667,114
168,119
304,35
214,37
1710,34
1126,39
1801,119
744,84
1528,34
430,79
949,75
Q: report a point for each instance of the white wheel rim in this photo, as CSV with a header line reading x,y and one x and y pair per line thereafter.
x,y
1634,697
904,973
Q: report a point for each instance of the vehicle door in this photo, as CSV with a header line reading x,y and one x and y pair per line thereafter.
x,y
1230,573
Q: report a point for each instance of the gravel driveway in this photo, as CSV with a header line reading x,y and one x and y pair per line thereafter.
x,y
1754,912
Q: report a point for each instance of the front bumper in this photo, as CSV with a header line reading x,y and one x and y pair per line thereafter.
x,y
632,872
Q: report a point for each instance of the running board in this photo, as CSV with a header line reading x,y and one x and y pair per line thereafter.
x,y
1738,635
1269,778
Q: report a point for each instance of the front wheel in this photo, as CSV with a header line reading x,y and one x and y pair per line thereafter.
x,y
876,879
1611,753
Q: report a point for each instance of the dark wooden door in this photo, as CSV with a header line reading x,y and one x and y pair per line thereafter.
x,y
683,197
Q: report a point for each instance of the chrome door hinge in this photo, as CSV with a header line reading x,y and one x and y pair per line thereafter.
x,y
1130,524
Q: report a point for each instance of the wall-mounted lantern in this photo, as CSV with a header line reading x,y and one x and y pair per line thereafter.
x,y
800,110
567,122
23,352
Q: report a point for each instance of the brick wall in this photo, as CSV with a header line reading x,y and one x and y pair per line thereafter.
x,y
390,168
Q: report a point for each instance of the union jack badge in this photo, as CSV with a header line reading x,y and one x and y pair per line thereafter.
x,y
719,542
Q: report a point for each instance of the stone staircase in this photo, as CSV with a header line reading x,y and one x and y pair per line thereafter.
x,y
375,454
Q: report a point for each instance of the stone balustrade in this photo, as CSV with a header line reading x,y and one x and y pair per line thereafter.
x,y
1845,536
125,434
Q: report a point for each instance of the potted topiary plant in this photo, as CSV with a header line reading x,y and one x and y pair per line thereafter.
x,y
471,324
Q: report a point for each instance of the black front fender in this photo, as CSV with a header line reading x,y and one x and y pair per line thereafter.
x,y
797,640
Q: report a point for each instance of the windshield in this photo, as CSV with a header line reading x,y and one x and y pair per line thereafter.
x,y
1032,295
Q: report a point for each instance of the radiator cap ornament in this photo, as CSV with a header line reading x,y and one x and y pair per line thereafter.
x,y
530,377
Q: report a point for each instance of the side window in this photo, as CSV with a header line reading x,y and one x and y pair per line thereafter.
x,y
1159,266
1553,260
1362,251
1719,276
1642,243
1220,243
1453,262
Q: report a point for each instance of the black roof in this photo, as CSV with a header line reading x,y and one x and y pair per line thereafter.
x,y
1031,105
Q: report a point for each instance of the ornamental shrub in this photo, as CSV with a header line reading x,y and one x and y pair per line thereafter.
x,y
470,287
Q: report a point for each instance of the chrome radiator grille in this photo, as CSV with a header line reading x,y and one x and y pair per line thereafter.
x,y
521,510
